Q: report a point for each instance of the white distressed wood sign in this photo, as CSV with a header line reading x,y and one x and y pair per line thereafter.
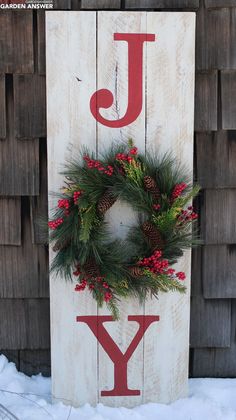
x,y
112,76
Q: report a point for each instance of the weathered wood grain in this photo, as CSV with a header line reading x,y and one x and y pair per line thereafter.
x,y
219,216
26,325
196,271
69,124
215,159
63,30
206,101
162,4
10,222
23,269
2,107
219,271
210,322
215,4
33,362
169,92
221,44
121,216
39,205
228,93
100,4
62,4
19,167
216,49
41,47
217,362
19,160
16,41
30,106
201,38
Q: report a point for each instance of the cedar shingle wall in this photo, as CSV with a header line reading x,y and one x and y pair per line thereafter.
x,y
24,305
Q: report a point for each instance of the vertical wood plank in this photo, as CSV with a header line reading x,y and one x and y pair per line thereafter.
x,y
113,76
170,105
69,124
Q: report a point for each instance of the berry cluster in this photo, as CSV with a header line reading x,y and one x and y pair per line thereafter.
x,y
154,263
133,151
92,283
77,272
157,265
107,296
123,157
64,204
177,191
95,164
53,224
80,287
187,215
76,196
156,207
181,275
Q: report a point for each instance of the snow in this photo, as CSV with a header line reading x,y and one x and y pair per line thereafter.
x,y
29,399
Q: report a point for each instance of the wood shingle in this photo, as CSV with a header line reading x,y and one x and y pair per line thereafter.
x,y
30,106
160,4
217,362
41,53
24,324
39,207
210,322
215,155
219,271
206,101
218,225
19,159
33,362
228,94
215,4
16,41
100,4
24,269
10,222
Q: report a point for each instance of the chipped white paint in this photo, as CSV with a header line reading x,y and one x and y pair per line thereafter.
x,y
159,366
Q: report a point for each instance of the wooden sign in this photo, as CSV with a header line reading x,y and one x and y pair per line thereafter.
x,y
112,76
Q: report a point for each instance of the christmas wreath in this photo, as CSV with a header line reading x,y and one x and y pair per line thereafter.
x,y
159,192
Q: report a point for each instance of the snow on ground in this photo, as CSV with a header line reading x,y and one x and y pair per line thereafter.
x,y
29,399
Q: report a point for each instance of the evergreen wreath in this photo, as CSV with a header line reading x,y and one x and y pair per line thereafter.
x,y
158,190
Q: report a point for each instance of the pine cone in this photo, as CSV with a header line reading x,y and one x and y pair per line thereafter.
x,y
136,271
150,185
61,244
105,202
91,269
153,235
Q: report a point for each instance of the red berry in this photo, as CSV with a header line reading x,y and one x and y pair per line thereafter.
x,y
181,275
133,151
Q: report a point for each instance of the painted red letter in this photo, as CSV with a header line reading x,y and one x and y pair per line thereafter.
x,y
103,98
119,359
